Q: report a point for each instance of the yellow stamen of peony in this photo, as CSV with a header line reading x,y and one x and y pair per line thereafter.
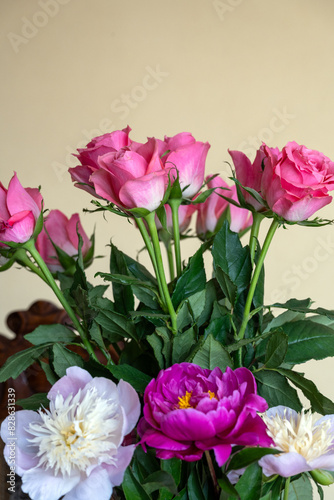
x,y
212,394
184,401
301,434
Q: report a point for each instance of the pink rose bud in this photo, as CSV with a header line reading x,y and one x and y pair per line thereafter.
x,y
249,174
185,213
210,212
63,232
187,156
19,210
296,182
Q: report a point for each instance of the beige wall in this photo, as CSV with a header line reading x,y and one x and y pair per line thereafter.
x,y
233,72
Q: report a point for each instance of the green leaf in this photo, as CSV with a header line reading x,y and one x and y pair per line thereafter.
x,y
286,317
44,334
134,377
139,271
226,284
212,354
173,466
232,257
274,388
159,479
157,344
34,402
248,456
182,345
17,363
132,489
249,485
192,280
49,373
276,349
64,358
228,488
116,326
123,295
308,340
195,491
301,489
319,402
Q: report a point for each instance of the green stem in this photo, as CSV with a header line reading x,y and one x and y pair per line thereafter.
x,y
255,278
174,205
286,488
257,219
212,473
156,245
150,249
22,258
30,246
169,252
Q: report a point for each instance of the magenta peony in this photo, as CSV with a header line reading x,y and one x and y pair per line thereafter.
x,y
75,448
188,409
19,210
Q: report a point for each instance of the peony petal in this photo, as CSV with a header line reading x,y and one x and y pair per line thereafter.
x,y
41,484
222,453
325,462
188,425
96,485
123,459
22,420
129,400
76,378
158,440
285,465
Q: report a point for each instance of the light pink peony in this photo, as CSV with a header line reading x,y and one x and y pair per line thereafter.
x,y
306,441
75,448
63,233
19,210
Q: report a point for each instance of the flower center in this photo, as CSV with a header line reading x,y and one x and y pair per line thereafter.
x,y
184,401
77,433
300,434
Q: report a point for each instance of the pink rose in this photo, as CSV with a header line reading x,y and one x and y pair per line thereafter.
x,y
89,155
62,232
249,174
210,212
126,173
185,213
295,183
19,210
187,156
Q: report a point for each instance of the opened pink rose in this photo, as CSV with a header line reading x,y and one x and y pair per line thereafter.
x,y
295,183
19,210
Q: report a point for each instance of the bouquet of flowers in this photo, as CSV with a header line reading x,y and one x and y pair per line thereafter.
x,y
190,387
